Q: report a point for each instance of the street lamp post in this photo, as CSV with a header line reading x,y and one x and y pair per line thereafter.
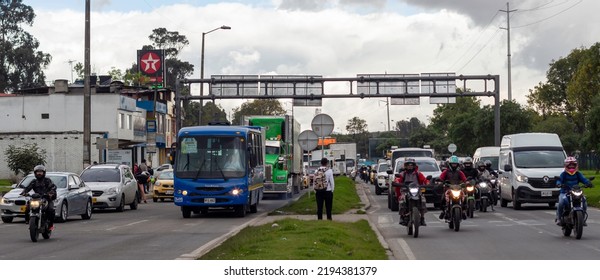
x,y
202,70
387,103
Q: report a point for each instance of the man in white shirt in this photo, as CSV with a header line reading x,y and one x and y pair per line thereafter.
x,y
327,195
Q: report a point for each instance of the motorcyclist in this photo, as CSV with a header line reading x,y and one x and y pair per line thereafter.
x,y
469,170
44,187
454,176
567,179
484,173
488,166
410,174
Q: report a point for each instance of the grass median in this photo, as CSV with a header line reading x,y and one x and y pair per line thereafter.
x,y
293,239
593,194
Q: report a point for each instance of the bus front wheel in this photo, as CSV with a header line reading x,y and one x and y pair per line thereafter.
x,y
186,212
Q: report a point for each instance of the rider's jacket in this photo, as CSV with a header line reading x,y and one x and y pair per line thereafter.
x,y
570,180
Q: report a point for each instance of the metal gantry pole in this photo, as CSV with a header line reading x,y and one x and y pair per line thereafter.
x,y
87,95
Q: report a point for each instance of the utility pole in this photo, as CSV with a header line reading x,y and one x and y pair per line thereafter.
x,y
387,102
508,11
87,95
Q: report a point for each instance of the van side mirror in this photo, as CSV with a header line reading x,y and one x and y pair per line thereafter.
x,y
389,171
73,187
507,167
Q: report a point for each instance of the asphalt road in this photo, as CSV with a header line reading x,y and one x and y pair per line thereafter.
x,y
156,231
504,234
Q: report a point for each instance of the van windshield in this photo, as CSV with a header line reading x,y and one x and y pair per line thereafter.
x,y
539,159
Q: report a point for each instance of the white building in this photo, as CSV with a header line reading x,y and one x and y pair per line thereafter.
x,y
52,117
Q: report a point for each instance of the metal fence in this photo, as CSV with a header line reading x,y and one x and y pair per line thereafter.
x,y
588,161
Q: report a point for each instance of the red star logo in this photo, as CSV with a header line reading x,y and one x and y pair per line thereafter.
x,y
150,62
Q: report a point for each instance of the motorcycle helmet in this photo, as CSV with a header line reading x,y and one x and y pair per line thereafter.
x,y
453,162
468,162
571,165
39,171
481,166
488,164
410,162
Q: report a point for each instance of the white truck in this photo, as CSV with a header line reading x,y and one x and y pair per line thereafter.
x,y
344,153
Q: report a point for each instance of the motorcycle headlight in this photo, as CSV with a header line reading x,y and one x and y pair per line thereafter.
x,y
34,204
522,178
455,193
470,188
483,185
413,191
577,193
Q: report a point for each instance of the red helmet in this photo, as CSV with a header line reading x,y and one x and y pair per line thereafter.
x,y
571,165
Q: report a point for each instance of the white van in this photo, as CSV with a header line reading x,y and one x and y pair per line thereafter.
x,y
410,153
528,164
487,153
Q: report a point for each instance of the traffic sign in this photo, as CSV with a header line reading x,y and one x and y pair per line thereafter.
x,y
452,148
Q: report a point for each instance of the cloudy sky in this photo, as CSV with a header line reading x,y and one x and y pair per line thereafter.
x,y
332,38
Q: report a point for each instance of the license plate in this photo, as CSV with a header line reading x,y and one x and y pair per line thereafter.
x,y
546,193
210,200
23,208
94,200
169,192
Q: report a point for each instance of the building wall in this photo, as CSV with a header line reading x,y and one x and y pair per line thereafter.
x,y
64,151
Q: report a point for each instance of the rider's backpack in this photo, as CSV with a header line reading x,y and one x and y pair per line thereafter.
x,y
320,181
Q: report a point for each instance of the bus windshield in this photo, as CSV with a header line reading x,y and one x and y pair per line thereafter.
x,y
211,157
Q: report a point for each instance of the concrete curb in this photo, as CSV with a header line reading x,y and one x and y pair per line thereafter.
x,y
364,198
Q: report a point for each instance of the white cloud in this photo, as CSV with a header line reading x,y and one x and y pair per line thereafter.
x,y
333,41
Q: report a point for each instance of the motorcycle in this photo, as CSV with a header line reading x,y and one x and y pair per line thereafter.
x,y
470,191
573,214
495,191
455,207
413,203
38,222
486,194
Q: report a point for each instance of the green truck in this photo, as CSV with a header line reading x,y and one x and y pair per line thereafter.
x,y
283,154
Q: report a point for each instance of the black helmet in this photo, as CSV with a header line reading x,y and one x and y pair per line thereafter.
x,y
488,163
39,168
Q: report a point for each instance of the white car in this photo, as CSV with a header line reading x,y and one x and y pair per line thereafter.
x,y
382,178
113,186
426,165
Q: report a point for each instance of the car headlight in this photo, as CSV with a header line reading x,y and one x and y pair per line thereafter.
x,y
157,183
4,201
522,178
455,193
112,190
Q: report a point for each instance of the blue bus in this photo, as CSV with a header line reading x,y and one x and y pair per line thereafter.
x,y
219,167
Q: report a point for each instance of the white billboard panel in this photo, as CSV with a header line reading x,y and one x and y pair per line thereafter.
x,y
241,89
279,87
384,87
405,101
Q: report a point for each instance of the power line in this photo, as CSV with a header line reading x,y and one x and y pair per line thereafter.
x,y
480,49
547,18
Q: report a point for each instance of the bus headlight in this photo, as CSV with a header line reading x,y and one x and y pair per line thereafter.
x,y
236,191
184,192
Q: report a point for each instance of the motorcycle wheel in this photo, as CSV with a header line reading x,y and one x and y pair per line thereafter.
x,y
416,221
578,226
456,217
33,229
409,227
484,205
471,208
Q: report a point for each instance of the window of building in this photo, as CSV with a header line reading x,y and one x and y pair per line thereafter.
x,y
121,121
45,116
129,122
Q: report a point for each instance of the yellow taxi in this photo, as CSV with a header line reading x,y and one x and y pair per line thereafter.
x,y
163,186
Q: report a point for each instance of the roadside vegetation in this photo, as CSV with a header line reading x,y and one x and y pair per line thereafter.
x,y
344,200
593,194
293,239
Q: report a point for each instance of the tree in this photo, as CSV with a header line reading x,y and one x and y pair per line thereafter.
x,y
20,64
357,127
257,107
571,83
24,159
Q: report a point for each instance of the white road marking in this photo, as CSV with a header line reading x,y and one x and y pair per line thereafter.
x,y
130,224
407,251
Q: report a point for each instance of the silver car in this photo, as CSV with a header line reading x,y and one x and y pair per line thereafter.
x,y
73,197
113,186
